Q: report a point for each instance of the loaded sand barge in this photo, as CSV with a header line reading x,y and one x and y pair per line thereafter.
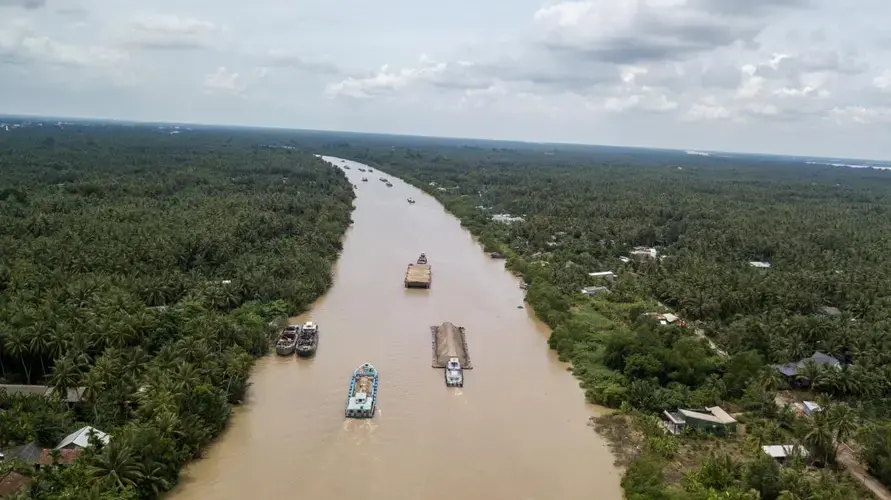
x,y
450,343
419,274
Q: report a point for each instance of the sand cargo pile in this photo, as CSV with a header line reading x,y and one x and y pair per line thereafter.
x,y
449,342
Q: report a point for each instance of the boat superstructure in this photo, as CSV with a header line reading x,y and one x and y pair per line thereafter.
x,y
362,396
287,340
454,374
422,259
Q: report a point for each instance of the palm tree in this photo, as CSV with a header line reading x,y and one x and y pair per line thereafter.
x,y
117,465
17,344
66,375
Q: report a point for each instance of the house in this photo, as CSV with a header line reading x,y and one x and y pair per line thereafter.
x,y
783,451
666,319
603,274
81,438
791,369
828,311
73,395
758,263
713,420
643,253
595,290
810,407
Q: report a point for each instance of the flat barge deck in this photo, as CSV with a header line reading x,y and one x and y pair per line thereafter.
x,y
449,341
418,276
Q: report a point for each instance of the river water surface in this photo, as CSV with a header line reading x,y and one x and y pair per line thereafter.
x,y
516,431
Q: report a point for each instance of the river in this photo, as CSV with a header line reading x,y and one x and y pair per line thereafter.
x,y
516,431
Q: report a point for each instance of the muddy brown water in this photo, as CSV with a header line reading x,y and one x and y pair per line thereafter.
x,y
516,431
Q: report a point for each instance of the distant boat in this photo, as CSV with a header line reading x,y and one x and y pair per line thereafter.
x,y
362,395
411,200
287,341
389,185
365,179
308,340
422,259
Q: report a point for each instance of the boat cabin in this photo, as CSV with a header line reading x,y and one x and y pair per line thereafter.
x,y
453,364
310,326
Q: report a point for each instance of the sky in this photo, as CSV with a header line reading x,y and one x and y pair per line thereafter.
x,y
810,77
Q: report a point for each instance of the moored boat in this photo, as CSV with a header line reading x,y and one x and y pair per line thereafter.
x,y
308,340
287,341
422,259
389,184
454,374
365,179
411,200
362,396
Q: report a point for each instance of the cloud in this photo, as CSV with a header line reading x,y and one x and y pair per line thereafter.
x,y
20,45
171,32
224,81
289,59
26,4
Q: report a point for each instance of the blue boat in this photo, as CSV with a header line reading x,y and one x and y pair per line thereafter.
x,y
363,392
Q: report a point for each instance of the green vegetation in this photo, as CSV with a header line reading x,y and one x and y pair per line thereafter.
x,y
149,269
824,231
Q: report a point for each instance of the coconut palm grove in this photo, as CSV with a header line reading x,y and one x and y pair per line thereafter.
x,y
730,314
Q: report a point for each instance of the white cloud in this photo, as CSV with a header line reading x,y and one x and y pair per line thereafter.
x,y
173,32
692,74
223,80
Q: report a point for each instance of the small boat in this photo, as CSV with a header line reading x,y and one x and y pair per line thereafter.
x,y
287,341
363,392
454,374
346,167
383,179
365,179
389,185
422,259
361,169
308,340
410,200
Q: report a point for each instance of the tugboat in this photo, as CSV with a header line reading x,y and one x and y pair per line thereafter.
x,y
454,374
422,259
308,340
363,392
287,341
411,200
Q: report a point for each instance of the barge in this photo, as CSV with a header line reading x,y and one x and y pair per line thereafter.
x,y
450,342
287,341
419,275
454,374
308,340
363,392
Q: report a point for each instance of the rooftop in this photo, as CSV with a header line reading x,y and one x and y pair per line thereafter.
x,y
81,438
714,414
784,450
758,263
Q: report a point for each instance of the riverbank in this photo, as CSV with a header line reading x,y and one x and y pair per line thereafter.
x,y
617,352
496,426
147,290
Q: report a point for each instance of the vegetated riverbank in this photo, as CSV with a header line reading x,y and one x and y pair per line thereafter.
x,y
145,271
624,359
295,409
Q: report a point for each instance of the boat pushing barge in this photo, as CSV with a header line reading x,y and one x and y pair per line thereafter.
x,y
449,342
419,274
308,339
363,392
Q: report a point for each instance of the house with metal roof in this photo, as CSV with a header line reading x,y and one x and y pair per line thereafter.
x,y
713,420
791,369
81,438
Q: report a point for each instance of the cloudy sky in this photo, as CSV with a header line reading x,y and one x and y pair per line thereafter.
x,y
781,76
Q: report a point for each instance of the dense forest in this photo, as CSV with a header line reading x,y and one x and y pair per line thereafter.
x,y
823,230
142,272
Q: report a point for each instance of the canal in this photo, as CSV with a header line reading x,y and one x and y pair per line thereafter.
x,y
516,431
